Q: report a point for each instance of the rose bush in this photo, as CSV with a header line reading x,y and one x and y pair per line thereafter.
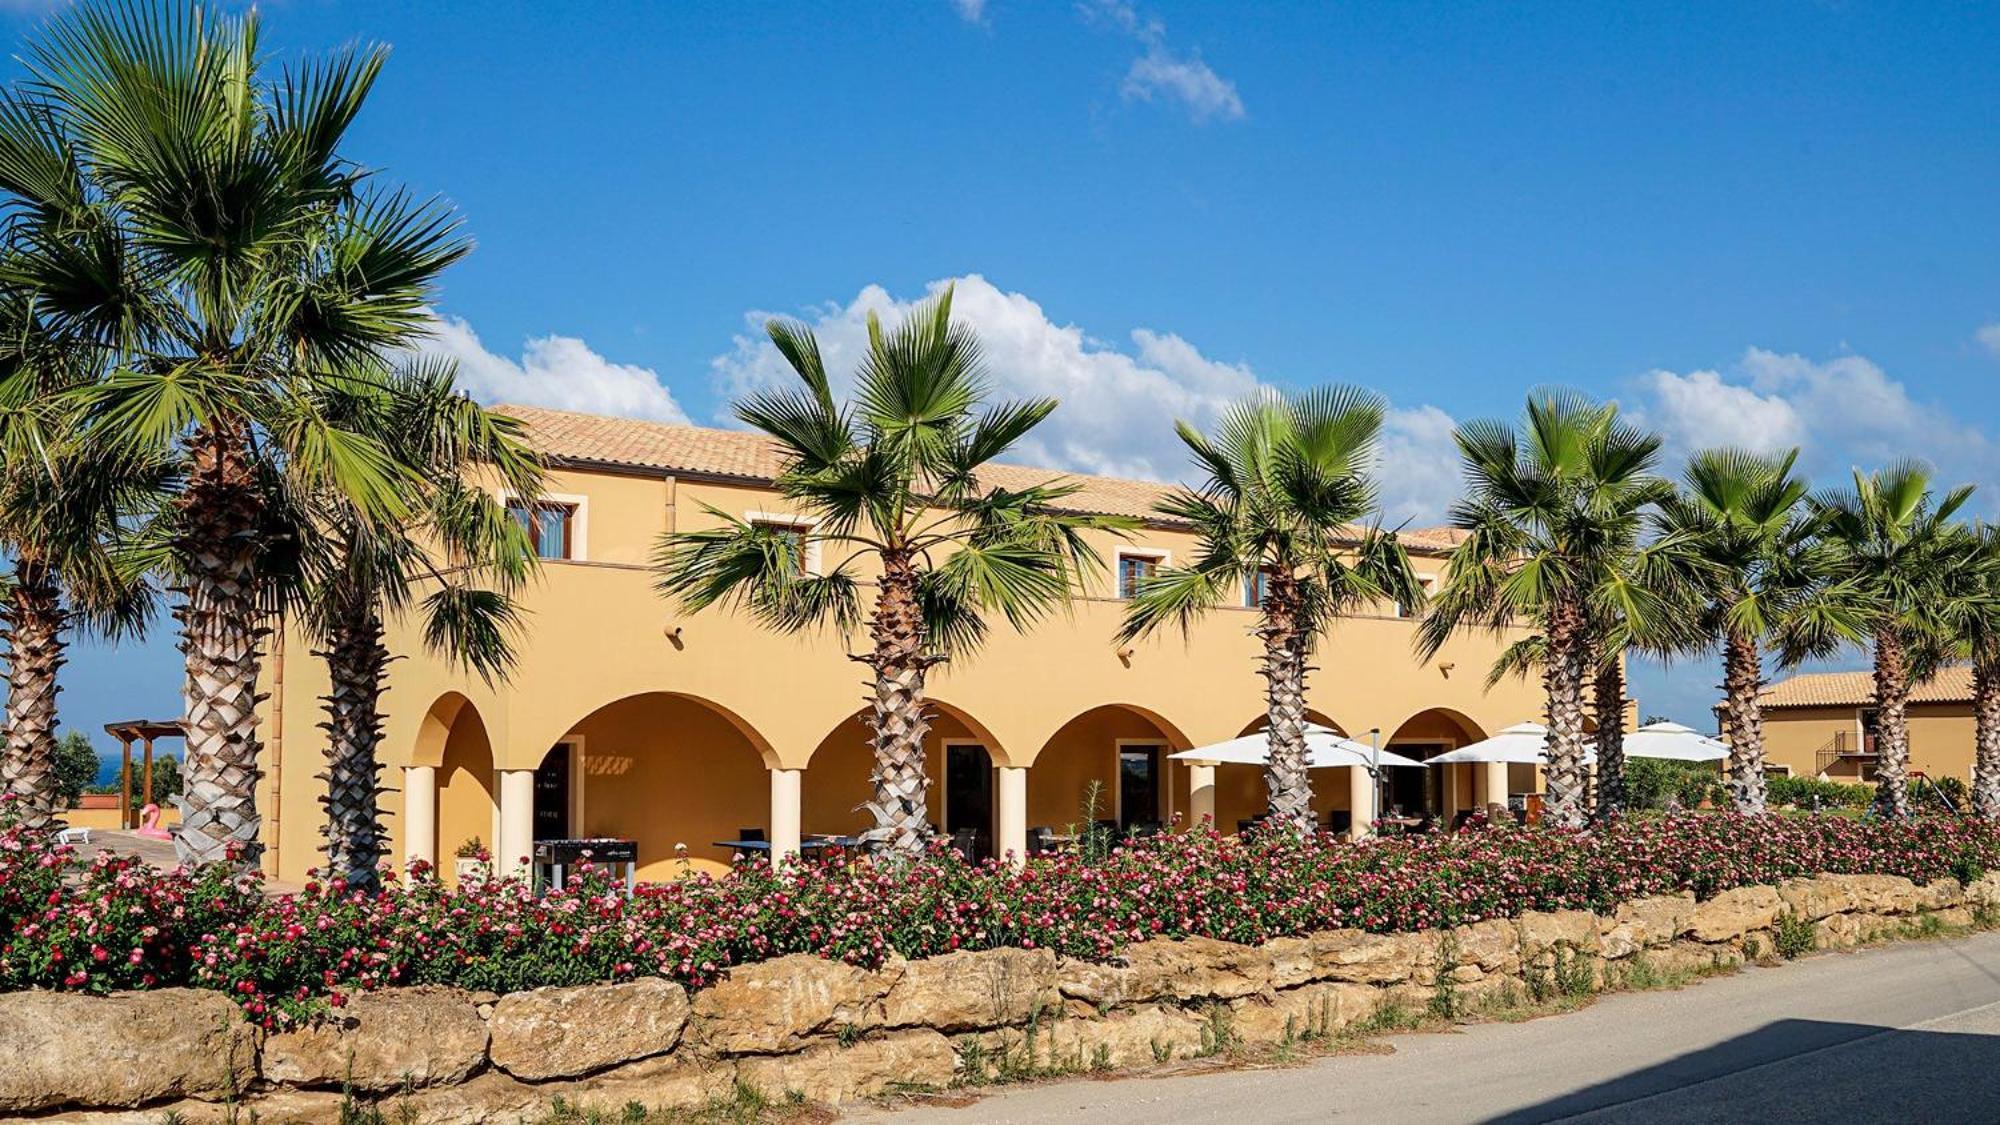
x,y
114,924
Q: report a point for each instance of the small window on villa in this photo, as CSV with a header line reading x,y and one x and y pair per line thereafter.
x,y
1256,587
794,534
549,527
1428,582
1133,570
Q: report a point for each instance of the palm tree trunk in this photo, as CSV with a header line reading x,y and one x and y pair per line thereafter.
x,y
1986,735
1743,715
1609,704
356,662
1892,730
221,630
1567,783
899,718
35,620
1287,781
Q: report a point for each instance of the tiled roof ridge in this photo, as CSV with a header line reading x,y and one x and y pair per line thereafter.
x,y
1951,684
685,447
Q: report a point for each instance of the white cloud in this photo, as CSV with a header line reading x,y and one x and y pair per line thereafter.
x,y
971,11
1989,337
555,371
1119,402
1207,94
1700,409
1843,413
1165,73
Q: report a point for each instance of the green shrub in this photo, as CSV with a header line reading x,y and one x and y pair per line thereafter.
x,y
1793,936
1811,792
1650,783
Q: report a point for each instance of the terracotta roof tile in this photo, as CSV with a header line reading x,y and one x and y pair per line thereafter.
x,y
595,439
1857,689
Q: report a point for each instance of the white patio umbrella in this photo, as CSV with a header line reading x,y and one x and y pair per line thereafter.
x,y
1325,749
1521,744
1667,739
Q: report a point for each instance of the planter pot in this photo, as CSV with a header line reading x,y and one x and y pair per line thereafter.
x,y
97,801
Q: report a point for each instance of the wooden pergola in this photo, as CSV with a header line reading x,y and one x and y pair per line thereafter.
x,y
142,731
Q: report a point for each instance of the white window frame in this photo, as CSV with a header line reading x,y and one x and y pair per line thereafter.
x,y
1425,582
1159,557
579,520
804,524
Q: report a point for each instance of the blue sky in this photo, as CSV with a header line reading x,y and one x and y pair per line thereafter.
x,y
1760,224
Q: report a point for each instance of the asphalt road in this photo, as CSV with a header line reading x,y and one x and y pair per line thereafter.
x,y
1907,1033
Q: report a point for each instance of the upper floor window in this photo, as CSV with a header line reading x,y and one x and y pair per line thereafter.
x,y
1428,582
551,527
793,533
1134,570
1256,588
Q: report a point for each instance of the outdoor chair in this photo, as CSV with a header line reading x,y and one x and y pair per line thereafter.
x,y
1040,842
1340,821
750,835
965,842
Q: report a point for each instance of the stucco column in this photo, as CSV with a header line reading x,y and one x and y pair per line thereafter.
x,y
786,789
1014,813
1494,774
1360,800
420,834
1201,794
517,822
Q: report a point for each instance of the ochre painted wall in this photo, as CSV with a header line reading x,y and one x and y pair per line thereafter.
x,y
598,634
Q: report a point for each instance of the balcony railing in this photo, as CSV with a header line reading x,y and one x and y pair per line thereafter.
x,y
1845,745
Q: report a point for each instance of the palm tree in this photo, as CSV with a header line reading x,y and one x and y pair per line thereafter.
x,y
1969,613
75,565
1552,516
1754,569
1892,547
455,563
173,194
65,504
892,480
1287,486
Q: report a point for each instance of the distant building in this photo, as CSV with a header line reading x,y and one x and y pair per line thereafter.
x,y
1823,725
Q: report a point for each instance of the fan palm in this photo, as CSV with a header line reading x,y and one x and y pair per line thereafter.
x,y
455,563
891,481
65,511
1553,516
1278,516
173,194
1969,609
1892,547
1754,570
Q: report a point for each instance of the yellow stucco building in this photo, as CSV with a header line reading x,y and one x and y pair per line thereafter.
x,y
626,718
1823,725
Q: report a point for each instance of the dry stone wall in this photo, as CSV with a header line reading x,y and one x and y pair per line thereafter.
x,y
834,1032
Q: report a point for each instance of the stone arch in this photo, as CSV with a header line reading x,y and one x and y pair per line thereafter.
x,y
1312,716
1092,747
678,773
434,730
1240,793
837,779
454,738
1440,791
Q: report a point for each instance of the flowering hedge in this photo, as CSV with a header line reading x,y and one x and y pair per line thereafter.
x,y
114,924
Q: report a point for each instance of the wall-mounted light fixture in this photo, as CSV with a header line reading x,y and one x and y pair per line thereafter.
x,y
1125,656
674,637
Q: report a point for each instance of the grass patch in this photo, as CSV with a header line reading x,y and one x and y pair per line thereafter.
x,y
744,1105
